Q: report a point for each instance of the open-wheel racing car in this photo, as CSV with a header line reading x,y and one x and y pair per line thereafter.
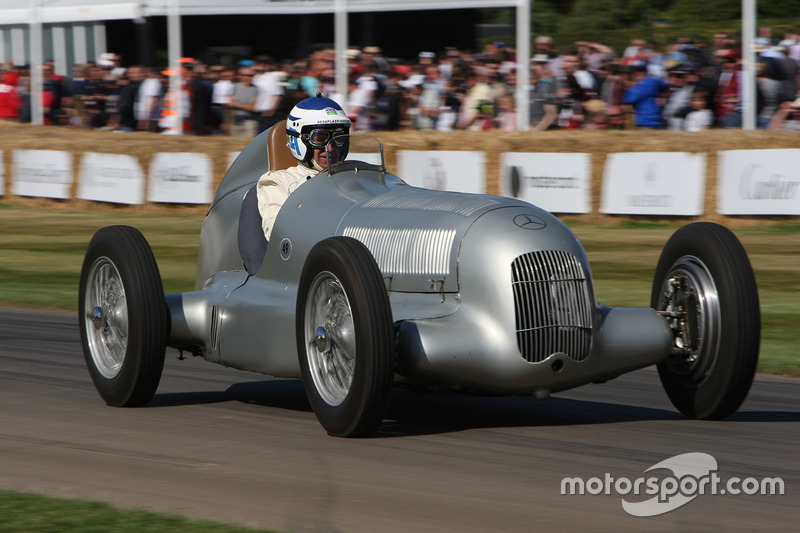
x,y
368,282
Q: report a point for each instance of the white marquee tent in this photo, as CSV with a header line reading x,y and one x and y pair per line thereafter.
x,y
53,11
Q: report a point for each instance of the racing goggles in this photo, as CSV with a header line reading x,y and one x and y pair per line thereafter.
x,y
319,138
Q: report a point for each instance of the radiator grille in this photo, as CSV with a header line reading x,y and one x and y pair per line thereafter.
x,y
553,309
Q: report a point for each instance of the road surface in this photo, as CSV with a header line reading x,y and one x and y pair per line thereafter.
x,y
244,448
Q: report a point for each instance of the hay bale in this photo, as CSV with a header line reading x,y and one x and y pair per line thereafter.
x,y
144,145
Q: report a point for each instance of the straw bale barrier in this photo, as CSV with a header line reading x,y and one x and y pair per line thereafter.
x,y
145,145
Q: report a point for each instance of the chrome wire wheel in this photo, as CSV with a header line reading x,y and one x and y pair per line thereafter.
x,y
106,311
330,338
122,316
690,302
345,337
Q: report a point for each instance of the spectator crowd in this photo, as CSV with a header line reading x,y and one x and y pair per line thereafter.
x,y
686,85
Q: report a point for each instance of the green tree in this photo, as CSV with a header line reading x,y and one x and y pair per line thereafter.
x,y
615,22
562,7
692,11
589,19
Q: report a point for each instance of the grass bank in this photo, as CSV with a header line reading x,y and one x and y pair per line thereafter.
x,y
31,513
41,254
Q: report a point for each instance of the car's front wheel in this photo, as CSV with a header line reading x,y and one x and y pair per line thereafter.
x,y
122,316
704,286
345,337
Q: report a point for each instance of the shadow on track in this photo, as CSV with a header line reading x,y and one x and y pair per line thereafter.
x,y
764,416
413,412
420,413
281,393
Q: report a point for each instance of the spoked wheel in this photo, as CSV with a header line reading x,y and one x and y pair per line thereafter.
x,y
123,316
345,337
704,286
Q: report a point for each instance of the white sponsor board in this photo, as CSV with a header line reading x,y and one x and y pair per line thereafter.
x,y
654,183
557,182
443,170
43,173
180,178
759,182
114,178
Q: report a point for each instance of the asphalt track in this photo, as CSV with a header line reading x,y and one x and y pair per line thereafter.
x,y
243,448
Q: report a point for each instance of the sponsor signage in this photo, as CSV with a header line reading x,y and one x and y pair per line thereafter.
x,y
180,178
111,178
444,170
42,173
557,182
654,183
759,182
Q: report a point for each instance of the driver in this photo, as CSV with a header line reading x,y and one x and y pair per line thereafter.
x,y
311,124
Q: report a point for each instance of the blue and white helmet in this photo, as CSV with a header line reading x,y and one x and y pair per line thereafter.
x,y
312,123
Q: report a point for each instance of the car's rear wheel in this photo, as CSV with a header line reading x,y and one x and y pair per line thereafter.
x,y
123,316
345,337
705,287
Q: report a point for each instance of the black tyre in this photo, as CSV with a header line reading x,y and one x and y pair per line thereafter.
x,y
345,337
705,287
123,316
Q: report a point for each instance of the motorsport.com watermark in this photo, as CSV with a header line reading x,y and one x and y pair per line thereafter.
x,y
693,474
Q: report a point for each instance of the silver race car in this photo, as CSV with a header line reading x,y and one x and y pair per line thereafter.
x,y
368,283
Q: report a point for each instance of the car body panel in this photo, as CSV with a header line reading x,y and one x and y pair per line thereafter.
x,y
487,293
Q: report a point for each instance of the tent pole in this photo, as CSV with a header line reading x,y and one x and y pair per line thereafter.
x,y
340,40
749,66
37,110
523,62
175,77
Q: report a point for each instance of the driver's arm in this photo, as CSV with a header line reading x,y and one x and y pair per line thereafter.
x,y
272,192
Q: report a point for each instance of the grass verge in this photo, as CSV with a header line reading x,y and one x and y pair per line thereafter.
x,y
31,513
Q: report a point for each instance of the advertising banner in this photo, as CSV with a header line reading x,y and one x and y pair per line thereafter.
x,y
759,182
654,183
557,182
180,178
443,170
42,173
114,178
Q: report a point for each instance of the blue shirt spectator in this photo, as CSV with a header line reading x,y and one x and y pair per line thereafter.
x,y
647,98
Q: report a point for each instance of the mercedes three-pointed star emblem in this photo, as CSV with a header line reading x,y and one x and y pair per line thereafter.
x,y
531,222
